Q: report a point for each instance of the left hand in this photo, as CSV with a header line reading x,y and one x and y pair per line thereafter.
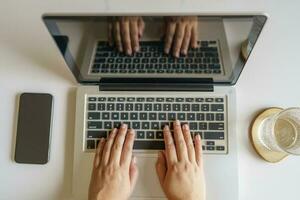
x,y
180,34
114,170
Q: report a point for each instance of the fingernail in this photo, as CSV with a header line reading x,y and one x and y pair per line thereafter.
x,y
177,123
131,131
197,137
129,51
166,128
124,126
136,49
166,51
186,127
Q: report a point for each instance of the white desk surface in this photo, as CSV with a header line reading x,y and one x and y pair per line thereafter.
x,y
29,61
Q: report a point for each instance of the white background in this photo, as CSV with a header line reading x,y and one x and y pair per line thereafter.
x,y
29,61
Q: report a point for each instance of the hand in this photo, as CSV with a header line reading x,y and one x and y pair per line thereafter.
x,y
114,170
181,32
179,167
126,32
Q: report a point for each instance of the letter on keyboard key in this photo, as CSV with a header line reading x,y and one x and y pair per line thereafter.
x,y
91,106
216,126
96,134
145,125
150,134
90,144
214,135
140,135
136,125
159,135
193,126
93,115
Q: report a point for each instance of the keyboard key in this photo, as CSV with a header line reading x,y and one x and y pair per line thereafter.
x,y
138,107
121,99
145,125
162,116
210,148
171,116
200,116
91,106
198,133
157,107
196,107
191,116
92,99
150,144
117,124
148,107
94,125
159,135
217,107
115,116
131,99
110,106
105,115
219,116
179,99
176,107
210,142
216,126
214,135
169,99
193,126
150,99
199,99
152,116
155,125
140,134
93,115
186,107
210,117
202,126
90,144
150,134
166,107
205,107
163,124
140,99
133,116
128,124
143,116
220,148
101,106
181,116
124,116
96,134
136,125
108,125
119,106
111,99
219,99
129,106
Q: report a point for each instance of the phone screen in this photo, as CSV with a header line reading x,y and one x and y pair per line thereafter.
x,y
33,129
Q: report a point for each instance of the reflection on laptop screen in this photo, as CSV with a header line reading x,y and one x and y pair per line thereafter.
x,y
223,46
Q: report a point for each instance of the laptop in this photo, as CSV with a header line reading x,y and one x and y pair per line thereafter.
x,y
149,90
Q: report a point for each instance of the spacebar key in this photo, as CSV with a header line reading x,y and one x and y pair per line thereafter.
x,y
144,144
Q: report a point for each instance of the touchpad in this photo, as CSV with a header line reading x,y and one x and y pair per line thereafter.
x,y
148,185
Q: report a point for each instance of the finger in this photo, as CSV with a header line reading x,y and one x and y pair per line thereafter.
x,y
194,35
107,147
179,142
134,36
189,142
141,26
126,37
133,172
170,32
170,147
110,33
161,167
186,40
99,152
178,39
198,150
117,36
127,148
118,145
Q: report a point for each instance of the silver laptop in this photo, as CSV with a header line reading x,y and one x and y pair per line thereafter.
x,y
150,89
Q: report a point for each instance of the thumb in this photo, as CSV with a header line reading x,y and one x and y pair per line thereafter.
x,y
161,167
133,172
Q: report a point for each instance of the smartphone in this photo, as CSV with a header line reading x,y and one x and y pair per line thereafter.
x,y
34,128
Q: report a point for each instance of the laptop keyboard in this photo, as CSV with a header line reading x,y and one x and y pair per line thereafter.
x,y
148,115
152,60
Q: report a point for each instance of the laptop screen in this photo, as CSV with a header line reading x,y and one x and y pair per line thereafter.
x,y
209,48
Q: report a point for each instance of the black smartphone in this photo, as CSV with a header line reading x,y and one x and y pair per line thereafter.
x,y
34,128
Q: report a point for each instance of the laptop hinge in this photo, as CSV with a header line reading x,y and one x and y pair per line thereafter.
x,y
156,84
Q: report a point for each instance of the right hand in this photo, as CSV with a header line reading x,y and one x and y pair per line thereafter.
x,y
180,167
125,33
